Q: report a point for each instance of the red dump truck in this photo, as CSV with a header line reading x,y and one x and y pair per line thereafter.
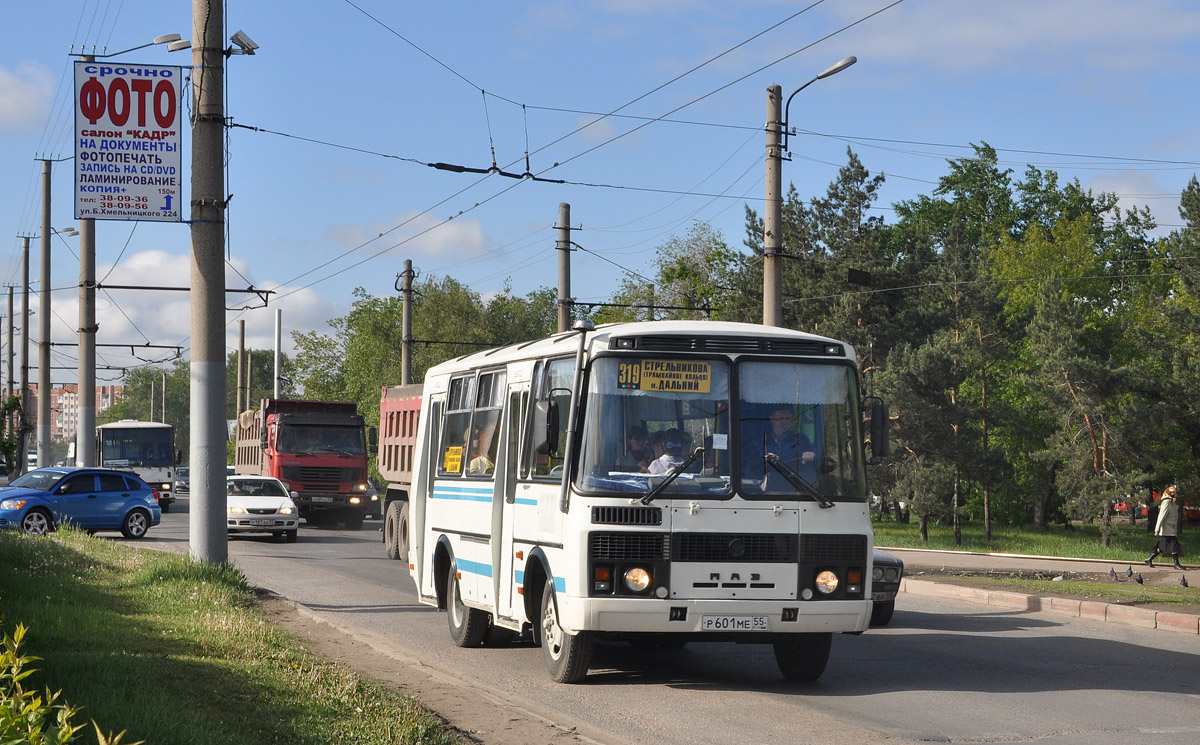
x,y
399,409
317,448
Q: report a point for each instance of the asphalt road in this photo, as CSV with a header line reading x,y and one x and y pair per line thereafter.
x,y
943,670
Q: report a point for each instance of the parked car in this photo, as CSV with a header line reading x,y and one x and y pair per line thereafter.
x,y
182,482
885,584
95,499
261,504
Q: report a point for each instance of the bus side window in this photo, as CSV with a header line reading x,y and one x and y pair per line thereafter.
x,y
457,430
553,380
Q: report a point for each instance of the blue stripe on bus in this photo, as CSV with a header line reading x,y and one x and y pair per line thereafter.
x,y
560,583
528,501
464,493
473,567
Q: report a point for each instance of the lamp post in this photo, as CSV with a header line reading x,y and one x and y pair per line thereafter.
x,y
777,134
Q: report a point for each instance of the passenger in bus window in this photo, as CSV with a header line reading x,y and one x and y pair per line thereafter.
x,y
481,450
673,443
637,454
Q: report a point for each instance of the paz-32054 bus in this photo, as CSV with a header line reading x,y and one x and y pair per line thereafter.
x,y
660,483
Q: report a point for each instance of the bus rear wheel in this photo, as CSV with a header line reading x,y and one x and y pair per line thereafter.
x,y
802,657
567,655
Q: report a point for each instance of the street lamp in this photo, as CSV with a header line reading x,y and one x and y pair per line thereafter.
x,y
777,130
834,69
173,42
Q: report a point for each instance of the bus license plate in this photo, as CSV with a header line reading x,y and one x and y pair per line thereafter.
x,y
322,499
880,597
733,623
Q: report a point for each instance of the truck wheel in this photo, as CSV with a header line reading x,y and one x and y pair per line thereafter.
x,y
391,521
802,657
567,655
467,625
353,519
402,532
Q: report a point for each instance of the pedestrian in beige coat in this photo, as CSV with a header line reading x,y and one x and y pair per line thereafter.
x,y
1167,528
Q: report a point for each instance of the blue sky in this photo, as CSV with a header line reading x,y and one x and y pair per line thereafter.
x,y
352,99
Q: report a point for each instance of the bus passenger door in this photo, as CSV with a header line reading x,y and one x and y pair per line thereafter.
x,y
506,489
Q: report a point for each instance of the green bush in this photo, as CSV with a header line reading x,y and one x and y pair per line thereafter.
x,y
27,716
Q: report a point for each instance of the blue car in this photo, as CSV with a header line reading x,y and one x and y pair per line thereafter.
x,y
91,498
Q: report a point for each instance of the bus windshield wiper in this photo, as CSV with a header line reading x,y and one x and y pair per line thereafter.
x,y
672,475
797,480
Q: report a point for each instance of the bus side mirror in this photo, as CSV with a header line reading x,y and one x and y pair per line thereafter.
x,y
545,427
880,424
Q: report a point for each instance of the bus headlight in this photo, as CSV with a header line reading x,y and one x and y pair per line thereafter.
x,y
827,582
637,579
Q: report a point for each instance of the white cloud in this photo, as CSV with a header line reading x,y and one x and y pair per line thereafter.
x,y
24,98
1038,36
1140,189
420,235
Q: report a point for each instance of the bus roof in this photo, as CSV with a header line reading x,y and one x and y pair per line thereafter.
x,y
729,338
134,424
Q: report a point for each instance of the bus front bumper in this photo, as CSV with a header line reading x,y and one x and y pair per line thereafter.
x,y
720,619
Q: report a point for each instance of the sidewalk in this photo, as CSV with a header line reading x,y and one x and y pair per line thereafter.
x,y
1085,609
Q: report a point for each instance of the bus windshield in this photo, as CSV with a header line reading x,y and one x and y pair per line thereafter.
x,y
646,417
791,429
799,430
136,446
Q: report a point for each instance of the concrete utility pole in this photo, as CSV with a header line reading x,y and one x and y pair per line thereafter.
x,y
10,341
406,325
773,214
564,267
207,539
43,416
278,345
24,418
241,355
85,426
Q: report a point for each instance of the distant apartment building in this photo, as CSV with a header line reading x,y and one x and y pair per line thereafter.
x,y
64,408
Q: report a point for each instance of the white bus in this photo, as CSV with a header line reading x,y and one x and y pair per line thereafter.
x,y
146,448
528,512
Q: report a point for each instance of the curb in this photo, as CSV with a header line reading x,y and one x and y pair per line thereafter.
x,y
1126,615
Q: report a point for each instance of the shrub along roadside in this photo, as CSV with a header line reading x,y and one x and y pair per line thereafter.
x,y
173,651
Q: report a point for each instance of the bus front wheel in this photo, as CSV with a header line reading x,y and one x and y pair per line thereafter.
x,y
802,657
467,624
567,655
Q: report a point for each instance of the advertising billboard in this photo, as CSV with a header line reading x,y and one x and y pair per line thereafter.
x,y
128,153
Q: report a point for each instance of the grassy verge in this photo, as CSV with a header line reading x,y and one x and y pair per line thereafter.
x,y
173,651
1126,543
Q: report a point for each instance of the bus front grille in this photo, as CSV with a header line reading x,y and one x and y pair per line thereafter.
x,y
737,547
629,546
627,515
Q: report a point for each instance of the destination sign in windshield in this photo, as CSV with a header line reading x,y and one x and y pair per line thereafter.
x,y
666,376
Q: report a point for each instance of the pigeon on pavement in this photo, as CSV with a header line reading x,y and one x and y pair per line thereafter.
x,y
1128,571
1183,580
1138,578
1112,572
